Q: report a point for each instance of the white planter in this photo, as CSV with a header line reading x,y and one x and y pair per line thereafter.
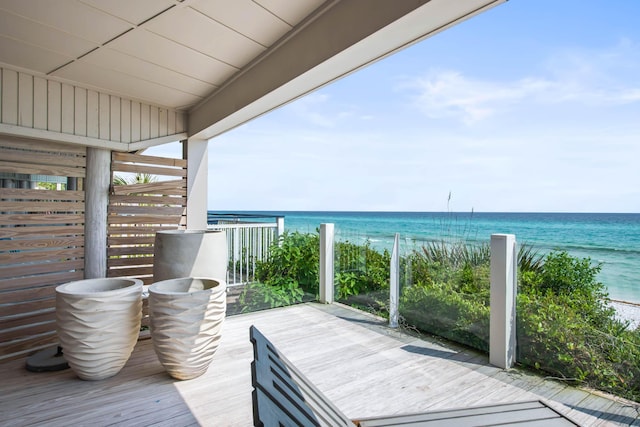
x,y
190,253
186,323
98,323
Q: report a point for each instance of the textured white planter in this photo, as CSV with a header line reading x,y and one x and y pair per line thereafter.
x,y
186,323
98,323
190,253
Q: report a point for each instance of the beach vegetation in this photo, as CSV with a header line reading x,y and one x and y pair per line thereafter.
x,y
360,271
566,326
290,272
447,292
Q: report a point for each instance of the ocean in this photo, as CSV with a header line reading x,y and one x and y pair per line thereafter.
x,y
611,239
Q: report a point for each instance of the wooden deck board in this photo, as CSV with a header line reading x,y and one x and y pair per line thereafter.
x,y
365,368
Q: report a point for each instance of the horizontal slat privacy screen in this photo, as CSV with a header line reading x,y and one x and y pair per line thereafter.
x,y
157,200
41,238
42,230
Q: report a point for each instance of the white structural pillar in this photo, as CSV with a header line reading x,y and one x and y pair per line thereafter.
x,y
97,182
197,167
394,283
279,226
326,263
504,260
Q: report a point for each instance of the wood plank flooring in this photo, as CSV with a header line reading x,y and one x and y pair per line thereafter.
x,y
365,368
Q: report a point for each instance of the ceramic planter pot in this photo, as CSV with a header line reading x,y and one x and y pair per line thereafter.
x,y
98,322
186,323
190,253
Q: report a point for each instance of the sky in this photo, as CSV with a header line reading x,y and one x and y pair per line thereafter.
x,y
532,106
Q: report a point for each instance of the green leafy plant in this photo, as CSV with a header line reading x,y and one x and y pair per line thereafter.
x,y
362,274
442,310
295,256
289,272
277,293
529,259
347,284
567,327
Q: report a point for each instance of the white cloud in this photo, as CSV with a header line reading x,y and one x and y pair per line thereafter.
x,y
604,78
449,94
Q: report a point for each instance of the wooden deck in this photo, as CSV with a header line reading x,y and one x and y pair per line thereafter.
x,y
365,368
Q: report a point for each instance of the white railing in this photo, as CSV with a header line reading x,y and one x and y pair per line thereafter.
x,y
248,242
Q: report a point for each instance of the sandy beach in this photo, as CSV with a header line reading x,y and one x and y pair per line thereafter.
x,y
628,311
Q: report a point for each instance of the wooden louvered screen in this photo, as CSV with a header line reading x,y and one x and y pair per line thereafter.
x,y
138,210
41,239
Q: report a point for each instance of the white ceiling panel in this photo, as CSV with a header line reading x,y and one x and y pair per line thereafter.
x,y
70,16
119,83
29,57
189,27
246,17
292,12
133,66
46,38
166,53
132,11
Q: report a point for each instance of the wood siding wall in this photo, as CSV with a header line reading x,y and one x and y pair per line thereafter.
x,y
38,103
137,211
41,242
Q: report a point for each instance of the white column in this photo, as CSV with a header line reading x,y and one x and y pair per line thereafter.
x,y
502,335
97,182
197,175
394,283
279,226
326,263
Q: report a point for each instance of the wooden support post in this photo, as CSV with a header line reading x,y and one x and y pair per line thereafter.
x,y
197,168
326,263
394,283
97,185
502,338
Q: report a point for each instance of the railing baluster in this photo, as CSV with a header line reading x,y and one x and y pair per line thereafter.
x,y
247,243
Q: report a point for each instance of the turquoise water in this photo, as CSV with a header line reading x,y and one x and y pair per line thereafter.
x,y
607,238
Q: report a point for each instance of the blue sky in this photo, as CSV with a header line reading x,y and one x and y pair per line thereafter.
x,y
533,106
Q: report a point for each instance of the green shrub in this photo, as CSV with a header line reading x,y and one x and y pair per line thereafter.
x,y
566,327
574,280
296,256
440,309
555,336
276,293
450,292
529,259
360,269
290,271
456,254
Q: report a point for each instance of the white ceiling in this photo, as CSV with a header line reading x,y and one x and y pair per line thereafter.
x,y
165,52
221,61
